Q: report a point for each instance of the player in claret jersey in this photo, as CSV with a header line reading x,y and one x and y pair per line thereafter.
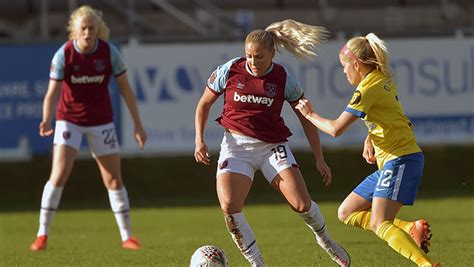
x,y
390,143
254,90
79,78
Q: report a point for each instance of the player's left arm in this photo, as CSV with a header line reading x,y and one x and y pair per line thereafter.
x,y
129,98
332,127
312,134
293,93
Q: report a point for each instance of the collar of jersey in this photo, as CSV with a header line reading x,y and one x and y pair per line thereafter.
x,y
251,73
79,50
372,76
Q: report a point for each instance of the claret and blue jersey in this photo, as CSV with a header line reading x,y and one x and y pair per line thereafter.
x,y
252,105
85,78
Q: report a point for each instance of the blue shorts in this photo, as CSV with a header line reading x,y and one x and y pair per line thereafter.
x,y
398,180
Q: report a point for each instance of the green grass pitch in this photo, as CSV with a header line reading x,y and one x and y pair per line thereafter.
x,y
169,236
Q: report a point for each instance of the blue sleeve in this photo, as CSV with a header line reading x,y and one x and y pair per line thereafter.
x,y
218,78
293,91
118,67
57,65
356,112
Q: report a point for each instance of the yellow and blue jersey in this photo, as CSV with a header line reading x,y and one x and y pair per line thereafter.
x,y
375,101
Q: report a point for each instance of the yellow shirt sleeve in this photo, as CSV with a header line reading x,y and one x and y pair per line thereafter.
x,y
362,100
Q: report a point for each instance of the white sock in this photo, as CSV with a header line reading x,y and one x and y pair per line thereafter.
x,y
49,204
315,221
244,238
121,208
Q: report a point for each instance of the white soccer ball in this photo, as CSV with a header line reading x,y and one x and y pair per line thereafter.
x,y
208,256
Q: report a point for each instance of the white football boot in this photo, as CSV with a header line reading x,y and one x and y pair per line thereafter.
x,y
337,253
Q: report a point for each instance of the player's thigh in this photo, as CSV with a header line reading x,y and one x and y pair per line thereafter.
x,y
291,184
367,187
276,158
68,134
383,209
102,140
63,161
232,190
110,170
67,140
352,203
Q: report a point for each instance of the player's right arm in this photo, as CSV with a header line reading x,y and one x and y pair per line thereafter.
x,y
49,104
201,152
56,76
215,87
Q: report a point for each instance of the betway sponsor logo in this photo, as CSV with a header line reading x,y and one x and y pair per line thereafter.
x,y
253,99
87,79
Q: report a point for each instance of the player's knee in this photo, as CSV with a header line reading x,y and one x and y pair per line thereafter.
x,y
113,184
301,206
342,213
228,207
58,179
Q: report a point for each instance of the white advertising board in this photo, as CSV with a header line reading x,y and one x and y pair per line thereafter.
x,y
435,79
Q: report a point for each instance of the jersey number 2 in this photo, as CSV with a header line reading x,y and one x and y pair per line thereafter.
x,y
385,182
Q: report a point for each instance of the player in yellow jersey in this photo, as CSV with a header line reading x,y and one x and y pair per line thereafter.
x,y
375,202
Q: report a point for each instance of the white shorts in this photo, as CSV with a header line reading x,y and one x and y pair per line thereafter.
x,y
102,139
243,154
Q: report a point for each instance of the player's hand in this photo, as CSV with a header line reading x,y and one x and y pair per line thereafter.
x,y
305,107
368,152
140,137
45,128
325,171
201,153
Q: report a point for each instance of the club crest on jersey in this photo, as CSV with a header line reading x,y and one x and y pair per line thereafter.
x,y
99,65
223,164
270,89
66,134
356,97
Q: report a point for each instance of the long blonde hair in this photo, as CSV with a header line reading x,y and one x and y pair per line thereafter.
x,y
297,38
88,11
370,50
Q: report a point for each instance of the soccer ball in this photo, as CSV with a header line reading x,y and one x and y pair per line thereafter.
x,y
208,256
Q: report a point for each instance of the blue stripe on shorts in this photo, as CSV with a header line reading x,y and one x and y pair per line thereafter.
x,y
398,180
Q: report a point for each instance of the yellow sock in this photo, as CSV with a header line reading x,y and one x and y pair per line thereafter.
x,y
361,219
402,243
405,226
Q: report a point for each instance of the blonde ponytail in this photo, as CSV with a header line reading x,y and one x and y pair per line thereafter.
x,y
297,38
87,11
370,50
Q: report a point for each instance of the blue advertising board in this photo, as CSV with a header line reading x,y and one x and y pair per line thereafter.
x,y
24,77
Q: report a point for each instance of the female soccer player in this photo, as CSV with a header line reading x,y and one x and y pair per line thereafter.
x,y
79,78
255,135
390,143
